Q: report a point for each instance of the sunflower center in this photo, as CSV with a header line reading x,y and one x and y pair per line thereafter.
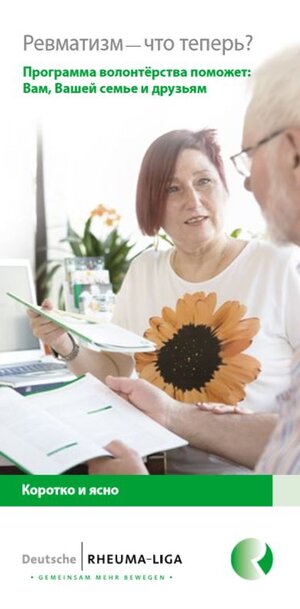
x,y
190,358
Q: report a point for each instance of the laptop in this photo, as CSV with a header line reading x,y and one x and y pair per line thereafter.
x,y
23,362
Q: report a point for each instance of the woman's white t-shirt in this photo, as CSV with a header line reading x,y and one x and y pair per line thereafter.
x,y
263,277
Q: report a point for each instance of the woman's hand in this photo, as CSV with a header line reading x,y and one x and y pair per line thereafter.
x,y
48,332
222,408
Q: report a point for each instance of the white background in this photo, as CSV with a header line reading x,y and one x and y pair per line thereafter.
x,y
93,149
204,537
94,144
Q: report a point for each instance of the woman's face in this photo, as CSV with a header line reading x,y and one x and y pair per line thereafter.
x,y
195,205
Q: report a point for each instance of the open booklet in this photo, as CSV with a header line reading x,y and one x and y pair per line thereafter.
x,y
103,335
50,432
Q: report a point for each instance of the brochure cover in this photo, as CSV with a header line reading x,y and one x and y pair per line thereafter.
x,y
102,105
90,330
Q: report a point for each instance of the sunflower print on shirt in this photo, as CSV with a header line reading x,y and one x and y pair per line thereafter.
x,y
199,355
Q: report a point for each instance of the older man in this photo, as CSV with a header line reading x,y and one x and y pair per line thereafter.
x,y
270,164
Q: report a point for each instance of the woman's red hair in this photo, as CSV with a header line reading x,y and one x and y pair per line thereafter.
x,y
158,167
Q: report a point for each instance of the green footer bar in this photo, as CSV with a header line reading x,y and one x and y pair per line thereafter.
x,y
18,490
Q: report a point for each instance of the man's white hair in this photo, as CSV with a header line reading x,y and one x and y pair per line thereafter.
x,y
275,102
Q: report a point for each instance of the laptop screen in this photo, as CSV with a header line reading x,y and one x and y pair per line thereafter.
x,y
16,337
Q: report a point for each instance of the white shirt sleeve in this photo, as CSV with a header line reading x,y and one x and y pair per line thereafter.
x,y
291,299
124,298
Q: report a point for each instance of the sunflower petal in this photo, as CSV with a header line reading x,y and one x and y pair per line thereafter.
x,y
166,331
217,391
195,319
192,395
244,362
168,388
251,325
203,314
183,313
233,347
169,316
228,378
244,367
159,382
243,330
179,395
191,299
155,322
163,329
150,373
154,337
211,301
144,359
226,317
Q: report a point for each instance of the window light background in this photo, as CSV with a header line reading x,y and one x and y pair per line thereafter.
x,y
94,144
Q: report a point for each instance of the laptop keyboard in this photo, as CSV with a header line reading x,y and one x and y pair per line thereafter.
x,y
31,368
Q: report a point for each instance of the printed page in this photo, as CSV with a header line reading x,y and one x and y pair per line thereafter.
x,y
37,441
50,432
90,407
106,336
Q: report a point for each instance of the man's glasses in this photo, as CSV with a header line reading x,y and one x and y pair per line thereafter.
x,y
243,160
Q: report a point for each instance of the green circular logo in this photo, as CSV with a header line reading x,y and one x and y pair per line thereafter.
x,y
251,558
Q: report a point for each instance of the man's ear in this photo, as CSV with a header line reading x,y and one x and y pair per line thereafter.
x,y
293,136
296,161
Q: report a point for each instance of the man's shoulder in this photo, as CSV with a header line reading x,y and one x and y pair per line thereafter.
x,y
269,252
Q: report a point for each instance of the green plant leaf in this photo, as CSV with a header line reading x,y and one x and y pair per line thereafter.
x,y
236,233
91,244
74,240
45,278
61,300
165,237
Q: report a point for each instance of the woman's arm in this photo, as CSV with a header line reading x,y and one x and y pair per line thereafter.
x,y
100,364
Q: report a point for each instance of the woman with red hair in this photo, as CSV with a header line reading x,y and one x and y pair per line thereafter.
x,y
221,311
